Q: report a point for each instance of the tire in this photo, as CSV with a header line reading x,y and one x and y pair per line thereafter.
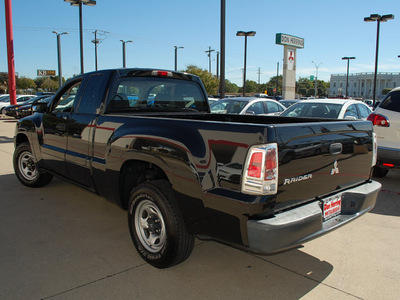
x,y
25,167
379,172
156,225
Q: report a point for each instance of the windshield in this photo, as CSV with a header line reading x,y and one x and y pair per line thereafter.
x,y
313,110
160,94
228,106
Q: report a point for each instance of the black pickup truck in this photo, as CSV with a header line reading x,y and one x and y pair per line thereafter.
x,y
146,139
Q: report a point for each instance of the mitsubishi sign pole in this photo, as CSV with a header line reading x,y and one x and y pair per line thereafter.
x,y
10,54
290,44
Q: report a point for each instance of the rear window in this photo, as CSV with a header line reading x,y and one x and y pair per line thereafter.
x,y
158,93
313,110
391,102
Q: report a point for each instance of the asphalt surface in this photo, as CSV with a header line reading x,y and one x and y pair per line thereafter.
x,y
63,242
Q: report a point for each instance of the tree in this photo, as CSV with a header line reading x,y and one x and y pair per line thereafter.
x,y
271,85
25,83
49,85
210,82
251,86
231,87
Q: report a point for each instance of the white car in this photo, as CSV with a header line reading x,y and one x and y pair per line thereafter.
x,y
386,121
247,106
329,108
4,102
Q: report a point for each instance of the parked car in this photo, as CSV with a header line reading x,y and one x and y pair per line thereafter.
x,y
386,121
6,101
247,106
11,110
25,109
288,103
329,108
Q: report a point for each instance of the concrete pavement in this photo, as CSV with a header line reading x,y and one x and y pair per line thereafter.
x,y
63,242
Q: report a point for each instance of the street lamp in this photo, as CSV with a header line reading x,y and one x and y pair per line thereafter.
x,y
378,19
316,77
245,34
124,53
59,56
347,78
176,57
79,3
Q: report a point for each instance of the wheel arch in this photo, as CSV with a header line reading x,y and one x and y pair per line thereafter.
x,y
134,172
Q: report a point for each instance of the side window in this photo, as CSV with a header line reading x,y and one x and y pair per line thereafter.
x,y
66,101
91,98
256,108
364,111
392,101
273,107
351,111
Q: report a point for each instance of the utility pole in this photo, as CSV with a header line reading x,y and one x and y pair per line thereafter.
x,y
259,83
95,42
102,36
209,57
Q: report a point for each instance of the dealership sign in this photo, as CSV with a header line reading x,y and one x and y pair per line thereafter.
x,y
46,73
289,40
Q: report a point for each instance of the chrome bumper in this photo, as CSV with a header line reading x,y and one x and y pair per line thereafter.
x,y
294,227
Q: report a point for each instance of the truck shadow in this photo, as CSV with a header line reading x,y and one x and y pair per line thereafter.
x,y
6,139
77,237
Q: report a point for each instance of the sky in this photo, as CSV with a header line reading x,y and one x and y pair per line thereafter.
x,y
331,30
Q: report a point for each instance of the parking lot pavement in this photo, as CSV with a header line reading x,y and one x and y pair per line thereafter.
x,y
63,242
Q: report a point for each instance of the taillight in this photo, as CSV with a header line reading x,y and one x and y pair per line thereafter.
x,y
378,120
255,166
260,175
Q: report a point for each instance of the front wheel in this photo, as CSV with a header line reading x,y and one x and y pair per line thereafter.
x,y
26,169
156,225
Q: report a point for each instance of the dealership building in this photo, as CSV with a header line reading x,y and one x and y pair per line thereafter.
x,y
361,85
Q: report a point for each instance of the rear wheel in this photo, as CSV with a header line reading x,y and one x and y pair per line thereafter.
x,y
26,169
379,172
156,225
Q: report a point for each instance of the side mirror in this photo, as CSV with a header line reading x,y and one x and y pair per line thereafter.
x,y
39,107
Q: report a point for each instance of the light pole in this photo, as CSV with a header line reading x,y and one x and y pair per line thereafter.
x,y
378,19
347,77
316,78
222,49
124,53
59,56
245,34
176,56
79,4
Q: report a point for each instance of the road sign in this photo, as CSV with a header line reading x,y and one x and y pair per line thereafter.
x,y
46,73
311,77
289,40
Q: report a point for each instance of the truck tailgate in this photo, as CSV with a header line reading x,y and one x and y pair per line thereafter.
x,y
316,159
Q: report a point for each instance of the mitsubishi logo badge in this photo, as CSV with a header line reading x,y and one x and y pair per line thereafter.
x,y
335,169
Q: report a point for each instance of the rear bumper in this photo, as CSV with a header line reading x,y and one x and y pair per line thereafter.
x,y
297,226
389,156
